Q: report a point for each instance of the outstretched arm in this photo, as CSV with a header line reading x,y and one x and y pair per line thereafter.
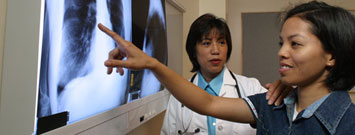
x,y
189,94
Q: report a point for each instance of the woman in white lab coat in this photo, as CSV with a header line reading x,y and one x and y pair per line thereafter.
x,y
209,47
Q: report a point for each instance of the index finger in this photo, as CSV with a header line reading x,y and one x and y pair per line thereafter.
x,y
112,34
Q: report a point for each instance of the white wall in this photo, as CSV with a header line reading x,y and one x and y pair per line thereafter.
x,y
236,7
217,7
174,19
19,53
192,12
3,5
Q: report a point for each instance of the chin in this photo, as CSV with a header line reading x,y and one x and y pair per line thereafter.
x,y
287,82
217,70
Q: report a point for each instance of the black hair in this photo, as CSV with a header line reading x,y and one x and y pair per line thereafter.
x,y
335,28
202,27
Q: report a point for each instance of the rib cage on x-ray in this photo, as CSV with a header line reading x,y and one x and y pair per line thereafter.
x,y
72,75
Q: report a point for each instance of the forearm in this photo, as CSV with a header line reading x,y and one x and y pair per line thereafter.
x,y
200,101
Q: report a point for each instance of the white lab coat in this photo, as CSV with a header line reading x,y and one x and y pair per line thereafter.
x,y
176,115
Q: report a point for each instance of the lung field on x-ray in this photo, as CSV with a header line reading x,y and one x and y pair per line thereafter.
x,y
114,8
78,25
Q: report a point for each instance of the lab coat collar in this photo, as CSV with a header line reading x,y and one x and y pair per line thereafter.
x,y
227,78
228,81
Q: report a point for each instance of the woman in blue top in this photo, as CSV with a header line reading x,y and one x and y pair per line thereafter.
x,y
317,55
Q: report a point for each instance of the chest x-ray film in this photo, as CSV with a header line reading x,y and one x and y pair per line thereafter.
x,y
73,77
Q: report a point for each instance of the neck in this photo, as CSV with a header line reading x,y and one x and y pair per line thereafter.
x,y
209,76
310,94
